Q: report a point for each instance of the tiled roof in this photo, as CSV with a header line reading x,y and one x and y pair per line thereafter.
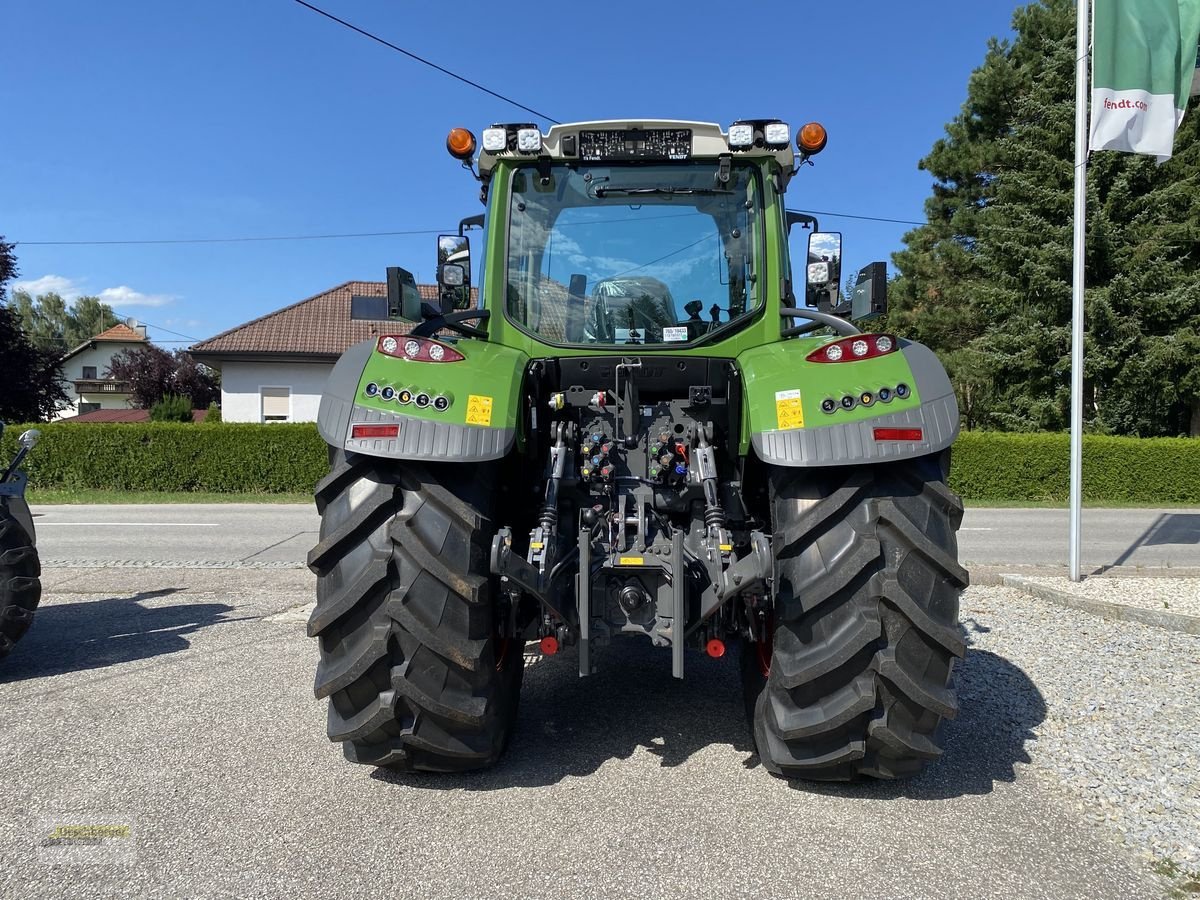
x,y
318,326
126,415
120,332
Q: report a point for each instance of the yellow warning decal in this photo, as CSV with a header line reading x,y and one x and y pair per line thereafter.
x,y
536,545
479,410
631,561
789,411
725,548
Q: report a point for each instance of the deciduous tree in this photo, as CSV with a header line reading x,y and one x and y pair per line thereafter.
x,y
153,373
54,325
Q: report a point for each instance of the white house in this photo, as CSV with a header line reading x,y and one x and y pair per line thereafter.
x,y
273,368
84,367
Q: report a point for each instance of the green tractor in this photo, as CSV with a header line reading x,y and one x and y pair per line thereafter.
x,y
642,420
20,569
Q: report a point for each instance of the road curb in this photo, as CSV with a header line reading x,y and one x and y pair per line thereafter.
x,y
170,564
1158,618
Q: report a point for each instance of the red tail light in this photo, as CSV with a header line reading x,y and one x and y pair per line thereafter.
x,y
405,346
370,431
899,434
852,349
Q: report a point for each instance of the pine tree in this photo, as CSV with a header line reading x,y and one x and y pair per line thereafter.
x,y
987,282
30,385
935,298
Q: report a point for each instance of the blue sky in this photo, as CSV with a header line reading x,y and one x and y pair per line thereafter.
x,y
149,120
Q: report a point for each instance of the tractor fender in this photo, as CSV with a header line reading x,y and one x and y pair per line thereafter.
x,y
787,420
479,421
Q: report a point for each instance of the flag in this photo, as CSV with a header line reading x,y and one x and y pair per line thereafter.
x,y
1143,64
1196,79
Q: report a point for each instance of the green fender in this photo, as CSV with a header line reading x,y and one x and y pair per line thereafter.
x,y
785,423
479,398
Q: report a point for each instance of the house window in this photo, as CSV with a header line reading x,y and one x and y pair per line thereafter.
x,y
276,404
89,372
88,407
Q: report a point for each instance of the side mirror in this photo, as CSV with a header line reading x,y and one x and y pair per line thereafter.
x,y
403,298
869,297
29,438
823,272
454,271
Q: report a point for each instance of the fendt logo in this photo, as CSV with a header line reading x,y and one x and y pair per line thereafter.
x,y
1140,105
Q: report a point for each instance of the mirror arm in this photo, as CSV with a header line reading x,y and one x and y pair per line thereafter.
x,y
793,217
470,222
841,326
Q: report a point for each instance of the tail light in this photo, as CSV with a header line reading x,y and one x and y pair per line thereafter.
x,y
404,346
851,349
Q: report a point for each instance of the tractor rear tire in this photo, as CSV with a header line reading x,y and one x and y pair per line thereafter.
x,y
20,587
859,677
410,658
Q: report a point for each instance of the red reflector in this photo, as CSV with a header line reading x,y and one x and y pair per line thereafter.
x,y
549,645
366,431
715,648
899,434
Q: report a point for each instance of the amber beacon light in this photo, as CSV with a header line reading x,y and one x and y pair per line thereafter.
x,y
461,143
812,138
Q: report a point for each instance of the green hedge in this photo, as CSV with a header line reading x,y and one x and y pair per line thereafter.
x,y
175,456
232,458
1020,467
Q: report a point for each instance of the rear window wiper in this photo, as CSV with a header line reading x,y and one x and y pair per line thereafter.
x,y
600,191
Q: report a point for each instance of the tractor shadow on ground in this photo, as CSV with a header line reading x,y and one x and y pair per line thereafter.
x,y
571,726
94,634
1000,709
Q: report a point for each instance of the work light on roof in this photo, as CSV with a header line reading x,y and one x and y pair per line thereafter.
x,y
495,140
741,135
529,140
777,134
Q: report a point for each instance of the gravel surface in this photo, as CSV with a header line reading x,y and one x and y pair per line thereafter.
x,y
180,702
1180,595
1122,729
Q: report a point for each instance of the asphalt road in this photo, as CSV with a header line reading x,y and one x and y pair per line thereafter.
x,y
178,702
280,535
